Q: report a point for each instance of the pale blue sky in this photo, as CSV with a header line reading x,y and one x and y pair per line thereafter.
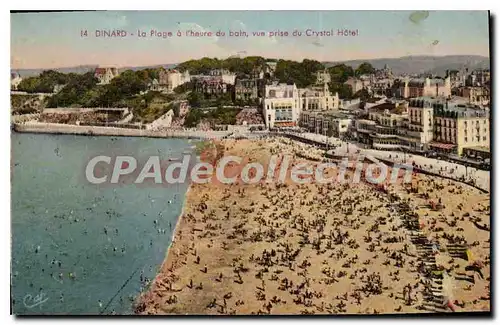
x,y
47,40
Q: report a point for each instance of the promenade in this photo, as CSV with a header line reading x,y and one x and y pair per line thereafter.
x,y
481,178
55,128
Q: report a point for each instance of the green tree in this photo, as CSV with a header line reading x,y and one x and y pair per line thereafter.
x,y
364,68
340,72
193,118
362,94
344,91
194,99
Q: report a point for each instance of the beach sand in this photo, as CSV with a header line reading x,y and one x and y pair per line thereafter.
x,y
321,248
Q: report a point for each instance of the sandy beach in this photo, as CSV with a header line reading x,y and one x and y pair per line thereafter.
x,y
324,248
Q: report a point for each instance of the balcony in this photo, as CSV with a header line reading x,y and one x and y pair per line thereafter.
x,y
386,146
384,135
410,134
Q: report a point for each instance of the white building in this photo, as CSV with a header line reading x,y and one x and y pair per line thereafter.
x,y
171,79
227,76
318,98
323,77
271,67
281,105
15,80
105,75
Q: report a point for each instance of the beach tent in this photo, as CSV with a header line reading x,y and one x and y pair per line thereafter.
x,y
469,256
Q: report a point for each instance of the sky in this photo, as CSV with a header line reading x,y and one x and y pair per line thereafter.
x,y
54,40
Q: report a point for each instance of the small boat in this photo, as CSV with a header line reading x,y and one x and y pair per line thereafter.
x,y
173,159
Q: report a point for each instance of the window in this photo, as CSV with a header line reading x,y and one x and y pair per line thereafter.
x,y
484,138
465,139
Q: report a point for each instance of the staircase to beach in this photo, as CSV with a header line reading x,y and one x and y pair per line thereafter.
x,y
433,278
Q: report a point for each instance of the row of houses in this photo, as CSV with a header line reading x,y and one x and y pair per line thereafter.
x,y
419,125
473,86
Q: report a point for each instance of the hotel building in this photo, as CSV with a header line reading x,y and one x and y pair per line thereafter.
x,y
281,105
445,126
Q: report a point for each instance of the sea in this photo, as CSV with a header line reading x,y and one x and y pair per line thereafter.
x,y
79,248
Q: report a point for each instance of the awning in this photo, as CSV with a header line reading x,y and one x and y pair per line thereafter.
x,y
446,146
284,124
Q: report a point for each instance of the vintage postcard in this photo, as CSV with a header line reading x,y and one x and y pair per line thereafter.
x,y
250,163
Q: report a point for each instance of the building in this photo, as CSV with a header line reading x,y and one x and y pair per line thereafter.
x,y
322,77
171,79
356,84
270,68
381,86
459,127
281,105
478,78
385,73
457,78
224,74
444,125
247,90
105,75
475,95
380,125
334,124
389,118
318,98
15,80
426,87
418,131
210,86
57,88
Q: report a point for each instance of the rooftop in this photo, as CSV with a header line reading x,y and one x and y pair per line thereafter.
x,y
393,108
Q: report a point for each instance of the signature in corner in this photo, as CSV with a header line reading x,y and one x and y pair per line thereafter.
x,y
30,301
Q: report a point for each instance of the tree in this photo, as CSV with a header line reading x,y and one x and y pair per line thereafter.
x,y
45,82
344,91
193,118
303,74
194,99
340,72
365,68
78,90
362,94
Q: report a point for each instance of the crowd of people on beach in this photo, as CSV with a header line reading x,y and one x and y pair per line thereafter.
x,y
332,248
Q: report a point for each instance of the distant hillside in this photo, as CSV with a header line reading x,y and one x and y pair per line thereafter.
x,y
406,64
424,64
34,72
82,69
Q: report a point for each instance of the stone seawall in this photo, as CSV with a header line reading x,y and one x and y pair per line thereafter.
x,y
54,128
